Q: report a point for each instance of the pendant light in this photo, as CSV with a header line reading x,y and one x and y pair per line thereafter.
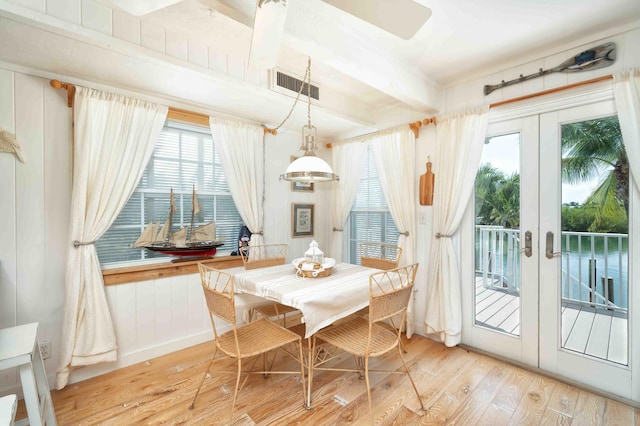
x,y
309,167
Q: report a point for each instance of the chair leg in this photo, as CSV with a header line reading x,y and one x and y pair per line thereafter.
x,y
358,362
411,379
264,365
235,391
366,376
204,376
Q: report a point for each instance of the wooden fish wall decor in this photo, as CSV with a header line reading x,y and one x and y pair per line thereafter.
x,y
592,59
8,143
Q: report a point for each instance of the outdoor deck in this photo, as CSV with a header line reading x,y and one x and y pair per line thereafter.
x,y
587,330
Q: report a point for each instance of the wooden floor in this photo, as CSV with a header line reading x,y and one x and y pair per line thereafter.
x,y
457,387
597,332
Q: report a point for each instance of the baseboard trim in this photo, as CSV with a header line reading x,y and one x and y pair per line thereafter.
x,y
140,355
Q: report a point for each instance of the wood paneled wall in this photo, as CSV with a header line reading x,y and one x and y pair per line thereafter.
x,y
34,208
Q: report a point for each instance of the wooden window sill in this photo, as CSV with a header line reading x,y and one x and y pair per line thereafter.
x,y
154,271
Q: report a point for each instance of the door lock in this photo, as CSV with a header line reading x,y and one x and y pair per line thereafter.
x,y
549,253
527,244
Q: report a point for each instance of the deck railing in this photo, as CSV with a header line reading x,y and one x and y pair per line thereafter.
x,y
594,269
594,265
497,259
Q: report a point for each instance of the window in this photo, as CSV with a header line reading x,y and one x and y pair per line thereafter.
x,y
370,219
184,158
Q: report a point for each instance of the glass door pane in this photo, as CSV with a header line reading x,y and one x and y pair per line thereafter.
x,y
595,240
497,235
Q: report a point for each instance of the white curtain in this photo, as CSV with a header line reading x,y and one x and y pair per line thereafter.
x,y
394,155
459,144
241,150
626,89
347,160
114,139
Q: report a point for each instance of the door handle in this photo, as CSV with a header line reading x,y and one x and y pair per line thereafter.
x,y
550,254
527,244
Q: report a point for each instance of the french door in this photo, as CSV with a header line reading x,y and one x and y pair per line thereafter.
x,y
550,229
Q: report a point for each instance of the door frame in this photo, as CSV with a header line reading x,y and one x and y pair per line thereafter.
x,y
602,91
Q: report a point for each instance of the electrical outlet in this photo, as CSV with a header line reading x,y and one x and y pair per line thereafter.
x,y
45,349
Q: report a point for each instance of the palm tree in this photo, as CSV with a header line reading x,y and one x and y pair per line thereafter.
x,y
590,147
497,197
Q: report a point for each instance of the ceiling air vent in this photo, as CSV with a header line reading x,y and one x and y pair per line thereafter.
x,y
289,85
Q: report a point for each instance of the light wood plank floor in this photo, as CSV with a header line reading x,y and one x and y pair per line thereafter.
x,y
597,332
457,387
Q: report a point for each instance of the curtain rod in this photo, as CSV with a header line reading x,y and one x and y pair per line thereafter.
x,y
550,91
173,113
432,120
414,126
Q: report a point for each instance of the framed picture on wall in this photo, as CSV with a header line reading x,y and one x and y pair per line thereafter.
x,y
301,186
302,217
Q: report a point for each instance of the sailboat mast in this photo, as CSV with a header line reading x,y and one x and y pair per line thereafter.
x,y
194,203
172,207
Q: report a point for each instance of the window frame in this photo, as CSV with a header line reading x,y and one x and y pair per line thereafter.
x,y
150,269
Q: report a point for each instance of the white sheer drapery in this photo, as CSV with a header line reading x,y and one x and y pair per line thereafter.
x,y
114,139
241,150
460,139
626,89
347,160
394,155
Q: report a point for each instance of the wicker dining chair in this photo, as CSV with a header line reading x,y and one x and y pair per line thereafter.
x,y
250,340
380,255
261,256
365,338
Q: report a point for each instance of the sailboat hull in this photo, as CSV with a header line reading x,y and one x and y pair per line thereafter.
x,y
196,250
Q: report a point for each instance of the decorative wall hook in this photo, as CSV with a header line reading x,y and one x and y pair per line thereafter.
x,y
8,143
592,59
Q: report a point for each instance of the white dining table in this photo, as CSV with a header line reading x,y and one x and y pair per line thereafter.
x,y
321,300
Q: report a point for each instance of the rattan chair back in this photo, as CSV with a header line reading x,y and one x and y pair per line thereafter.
x,y
218,287
264,255
380,255
390,292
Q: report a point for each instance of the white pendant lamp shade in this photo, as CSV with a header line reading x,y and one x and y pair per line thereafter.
x,y
309,168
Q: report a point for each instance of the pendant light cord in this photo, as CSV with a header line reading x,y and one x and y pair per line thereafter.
x,y
307,74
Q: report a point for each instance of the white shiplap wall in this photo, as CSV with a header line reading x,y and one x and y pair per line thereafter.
x,y
34,207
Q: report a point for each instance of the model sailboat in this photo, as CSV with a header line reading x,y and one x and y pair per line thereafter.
x,y
201,241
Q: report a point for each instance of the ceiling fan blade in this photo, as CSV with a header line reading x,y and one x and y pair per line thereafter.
x,y
142,7
402,18
268,27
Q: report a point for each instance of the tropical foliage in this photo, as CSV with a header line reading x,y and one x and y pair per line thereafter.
x,y
497,197
591,149
584,218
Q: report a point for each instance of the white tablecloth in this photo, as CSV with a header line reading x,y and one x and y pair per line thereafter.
x,y
321,300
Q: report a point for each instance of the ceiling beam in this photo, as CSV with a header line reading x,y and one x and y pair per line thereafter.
x,y
322,31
